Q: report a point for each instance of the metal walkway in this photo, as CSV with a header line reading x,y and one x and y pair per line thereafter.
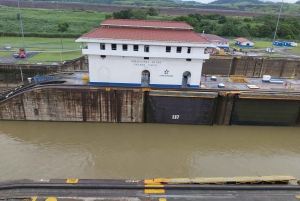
x,y
235,188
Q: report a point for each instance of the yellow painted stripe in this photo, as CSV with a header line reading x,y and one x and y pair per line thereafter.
x,y
151,182
154,191
51,199
298,196
72,181
162,199
146,89
34,198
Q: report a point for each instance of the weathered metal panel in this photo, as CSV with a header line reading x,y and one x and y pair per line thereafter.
x,y
12,109
265,112
186,108
130,105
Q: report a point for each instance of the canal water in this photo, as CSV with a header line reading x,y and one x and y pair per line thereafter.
x,y
43,150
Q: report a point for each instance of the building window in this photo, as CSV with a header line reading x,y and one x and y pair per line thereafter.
x,y
102,46
168,49
188,59
189,50
135,47
178,50
146,48
113,46
146,58
124,47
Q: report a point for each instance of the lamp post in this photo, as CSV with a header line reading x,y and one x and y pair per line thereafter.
x,y
276,27
22,37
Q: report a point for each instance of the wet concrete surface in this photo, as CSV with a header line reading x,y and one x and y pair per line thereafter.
x,y
10,59
206,83
288,84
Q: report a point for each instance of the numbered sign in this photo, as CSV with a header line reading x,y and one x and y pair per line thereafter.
x,y
175,116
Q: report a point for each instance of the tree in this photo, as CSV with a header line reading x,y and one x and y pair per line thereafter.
x,y
222,19
123,14
229,29
265,31
139,14
191,21
108,16
62,27
152,12
254,31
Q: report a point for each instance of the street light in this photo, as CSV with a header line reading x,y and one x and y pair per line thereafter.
x,y
22,38
276,27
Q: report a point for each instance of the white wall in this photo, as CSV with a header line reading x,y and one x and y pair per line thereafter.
x,y
155,51
127,70
245,43
221,44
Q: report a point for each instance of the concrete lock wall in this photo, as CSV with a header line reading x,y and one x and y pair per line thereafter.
x,y
74,104
252,66
10,74
98,104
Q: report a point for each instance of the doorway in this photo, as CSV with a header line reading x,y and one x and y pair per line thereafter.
x,y
186,79
145,82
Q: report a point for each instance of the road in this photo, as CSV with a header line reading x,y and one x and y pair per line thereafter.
x,y
10,59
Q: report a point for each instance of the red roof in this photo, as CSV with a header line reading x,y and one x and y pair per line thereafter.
x,y
212,37
241,40
146,23
144,34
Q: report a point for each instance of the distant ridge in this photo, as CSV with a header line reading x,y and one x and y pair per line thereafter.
x,y
237,2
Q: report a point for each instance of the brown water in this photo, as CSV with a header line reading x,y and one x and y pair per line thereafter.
x,y
42,150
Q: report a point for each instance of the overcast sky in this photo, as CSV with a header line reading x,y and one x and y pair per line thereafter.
x,y
285,1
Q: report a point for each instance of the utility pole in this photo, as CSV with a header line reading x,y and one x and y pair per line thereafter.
x,y
22,38
276,28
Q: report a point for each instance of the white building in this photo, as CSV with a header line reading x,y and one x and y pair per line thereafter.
x,y
144,53
218,41
243,42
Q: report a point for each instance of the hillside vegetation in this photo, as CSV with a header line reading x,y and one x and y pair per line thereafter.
x,y
44,23
239,5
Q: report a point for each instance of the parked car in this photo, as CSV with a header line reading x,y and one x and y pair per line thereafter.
x,y
16,54
55,64
22,53
7,47
270,50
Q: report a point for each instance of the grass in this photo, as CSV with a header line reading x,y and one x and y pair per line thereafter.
x,y
43,44
55,56
262,44
35,43
257,44
295,49
5,53
46,21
